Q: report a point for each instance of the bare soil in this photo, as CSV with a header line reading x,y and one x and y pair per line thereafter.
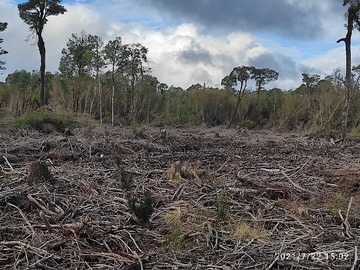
x,y
222,199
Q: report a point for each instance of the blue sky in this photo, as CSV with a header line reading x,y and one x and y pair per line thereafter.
x,y
196,41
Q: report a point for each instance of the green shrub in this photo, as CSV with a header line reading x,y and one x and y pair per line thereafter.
x,y
248,124
222,207
44,121
143,209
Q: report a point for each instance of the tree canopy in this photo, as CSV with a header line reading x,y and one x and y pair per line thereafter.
x,y
263,76
77,57
35,13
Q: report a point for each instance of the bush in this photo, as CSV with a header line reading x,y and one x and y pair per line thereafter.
x,y
44,121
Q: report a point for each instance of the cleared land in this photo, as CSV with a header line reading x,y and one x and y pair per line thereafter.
x,y
223,199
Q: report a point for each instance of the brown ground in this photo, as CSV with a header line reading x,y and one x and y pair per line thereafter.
x,y
232,200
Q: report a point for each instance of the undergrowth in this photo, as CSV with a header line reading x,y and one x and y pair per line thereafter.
x,y
44,121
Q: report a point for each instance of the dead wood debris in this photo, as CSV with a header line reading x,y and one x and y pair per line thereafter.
x,y
260,201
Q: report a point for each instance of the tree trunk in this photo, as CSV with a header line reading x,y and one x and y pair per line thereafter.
x,y
113,96
240,97
148,106
42,51
100,102
348,80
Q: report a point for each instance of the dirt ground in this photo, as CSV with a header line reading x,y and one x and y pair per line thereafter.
x,y
221,199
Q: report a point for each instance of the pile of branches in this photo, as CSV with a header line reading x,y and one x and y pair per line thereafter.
x,y
189,199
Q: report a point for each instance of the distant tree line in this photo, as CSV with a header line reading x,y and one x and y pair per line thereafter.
x,y
313,106
112,83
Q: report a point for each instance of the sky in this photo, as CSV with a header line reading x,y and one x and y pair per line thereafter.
x,y
195,41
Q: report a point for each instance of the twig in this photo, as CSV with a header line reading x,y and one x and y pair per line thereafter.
x,y
8,163
223,165
346,223
355,258
134,241
44,219
296,185
24,217
348,209
33,200
178,192
272,263
22,245
113,256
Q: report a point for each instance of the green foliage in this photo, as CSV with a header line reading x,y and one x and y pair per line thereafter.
x,y
222,207
128,93
174,239
44,121
5,95
263,76
243,231
35,12
22,80
143,209
78,56
248,124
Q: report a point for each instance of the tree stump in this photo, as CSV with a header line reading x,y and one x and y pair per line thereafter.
x,y
39,173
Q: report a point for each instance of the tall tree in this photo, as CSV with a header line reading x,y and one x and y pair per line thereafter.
x,y
114,55
353,21
3,26
35,13
132,67
97,63
162,87
240,75
310,81
77,64
263,76
77,57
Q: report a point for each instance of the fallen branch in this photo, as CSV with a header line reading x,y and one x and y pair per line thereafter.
x,y
8,163
355,258
296,185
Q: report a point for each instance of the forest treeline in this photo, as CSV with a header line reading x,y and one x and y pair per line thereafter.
x,y
112,83
316,105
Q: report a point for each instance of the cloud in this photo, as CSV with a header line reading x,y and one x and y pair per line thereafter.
x,y
295,19
327,62
195,54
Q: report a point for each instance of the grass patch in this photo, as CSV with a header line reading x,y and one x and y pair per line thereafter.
x,y
243,231
334,203
174,239
222,208
44,121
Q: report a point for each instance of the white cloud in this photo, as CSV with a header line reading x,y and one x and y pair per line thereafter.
x,y
326,63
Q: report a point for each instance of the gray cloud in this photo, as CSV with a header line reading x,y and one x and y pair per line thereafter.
x,y
288,69
297,19
195,54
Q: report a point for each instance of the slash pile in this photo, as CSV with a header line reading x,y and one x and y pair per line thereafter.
x,y
220,199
